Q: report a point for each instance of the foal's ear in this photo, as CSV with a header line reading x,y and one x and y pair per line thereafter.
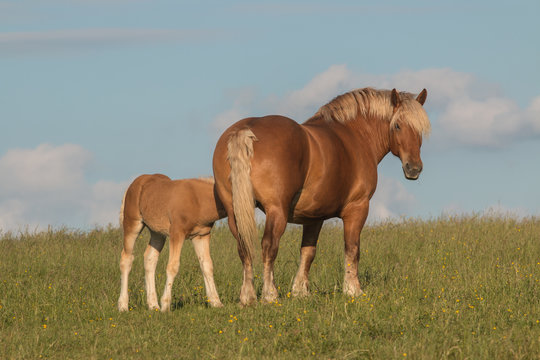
x,y
396,100
421,98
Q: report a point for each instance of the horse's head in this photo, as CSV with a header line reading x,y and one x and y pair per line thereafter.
x,y
409,122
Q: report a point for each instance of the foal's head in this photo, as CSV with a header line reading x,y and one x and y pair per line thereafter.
x,y
409,123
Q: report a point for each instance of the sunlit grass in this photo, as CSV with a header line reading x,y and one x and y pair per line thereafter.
x,y
464,287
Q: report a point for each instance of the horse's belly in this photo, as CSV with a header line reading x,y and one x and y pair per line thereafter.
x,y
309,207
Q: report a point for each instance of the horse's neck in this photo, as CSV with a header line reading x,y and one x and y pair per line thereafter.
x,y
373,131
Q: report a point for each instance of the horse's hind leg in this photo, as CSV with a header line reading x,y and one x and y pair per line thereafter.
x,y
247,292
276,222
310,236
151,256
132,229
176,241
202,249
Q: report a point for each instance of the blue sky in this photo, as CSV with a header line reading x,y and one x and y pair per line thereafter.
x,y
94,93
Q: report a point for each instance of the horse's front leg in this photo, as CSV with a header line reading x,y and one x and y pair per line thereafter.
x,y
202,249
354,217
310,235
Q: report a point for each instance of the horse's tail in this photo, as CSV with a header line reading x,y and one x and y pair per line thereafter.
x,y
239,153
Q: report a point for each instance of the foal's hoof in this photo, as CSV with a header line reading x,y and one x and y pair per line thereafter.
x,y
216,304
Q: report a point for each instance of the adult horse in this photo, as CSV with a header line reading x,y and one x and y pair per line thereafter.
x,y
306,173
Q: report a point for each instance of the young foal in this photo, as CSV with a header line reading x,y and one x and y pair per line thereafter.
x,y
179,209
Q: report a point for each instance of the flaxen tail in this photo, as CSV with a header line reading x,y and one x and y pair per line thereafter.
x,y
121,215
130,201
239,153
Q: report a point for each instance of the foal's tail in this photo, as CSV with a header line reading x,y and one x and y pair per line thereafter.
x,y
239,153
130,201
121,215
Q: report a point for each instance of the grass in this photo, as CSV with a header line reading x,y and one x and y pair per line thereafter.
x,y
464,287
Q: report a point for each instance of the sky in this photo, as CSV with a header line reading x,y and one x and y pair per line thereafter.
x,y
94,93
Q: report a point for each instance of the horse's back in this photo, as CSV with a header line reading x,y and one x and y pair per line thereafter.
x,y
132,198
194,203
280,156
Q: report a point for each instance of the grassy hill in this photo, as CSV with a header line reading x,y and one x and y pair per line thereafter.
x,y
464,287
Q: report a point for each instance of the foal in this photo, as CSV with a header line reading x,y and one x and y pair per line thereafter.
x,y
180,209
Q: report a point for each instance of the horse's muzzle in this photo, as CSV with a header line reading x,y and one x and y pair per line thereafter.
x,y
412,171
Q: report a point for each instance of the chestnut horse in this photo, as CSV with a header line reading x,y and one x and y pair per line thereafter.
x,y
306,173
180,209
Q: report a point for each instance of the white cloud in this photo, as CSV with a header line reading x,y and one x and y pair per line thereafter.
x,y
488,122
43,169
323,87
11,215
105,202
47,186
391,200
464,109
467,110
243,100
75,39
298,104
532,115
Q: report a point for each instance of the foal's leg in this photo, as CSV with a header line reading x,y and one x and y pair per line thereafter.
x,y
176,241
151,256
310,236
132,229
354,219
276,221
202,249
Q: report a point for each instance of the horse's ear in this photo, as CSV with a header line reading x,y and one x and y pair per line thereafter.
x,y
396,100
421,98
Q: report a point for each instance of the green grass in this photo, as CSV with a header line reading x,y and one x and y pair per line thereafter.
x,y
465,287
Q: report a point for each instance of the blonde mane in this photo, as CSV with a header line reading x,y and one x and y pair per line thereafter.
x,y
369,102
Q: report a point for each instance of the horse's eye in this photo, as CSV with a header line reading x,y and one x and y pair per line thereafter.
x,y
397,126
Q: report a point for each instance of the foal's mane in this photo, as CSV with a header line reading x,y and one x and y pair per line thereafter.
x,y
369,102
